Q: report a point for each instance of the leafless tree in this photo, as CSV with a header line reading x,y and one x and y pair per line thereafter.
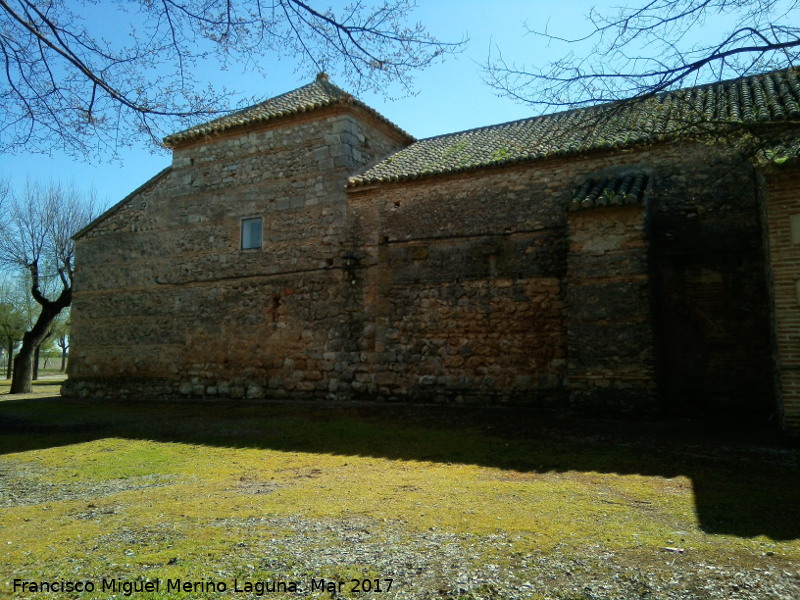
x,y
5,192
87,77
39,226
636,52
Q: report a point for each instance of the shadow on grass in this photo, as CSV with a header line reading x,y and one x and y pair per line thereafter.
x,y
744,483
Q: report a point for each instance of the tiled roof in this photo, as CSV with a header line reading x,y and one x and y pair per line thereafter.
x,y
611,190
769,97
317,94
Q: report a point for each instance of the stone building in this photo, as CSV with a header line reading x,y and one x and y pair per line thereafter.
x,y
633,256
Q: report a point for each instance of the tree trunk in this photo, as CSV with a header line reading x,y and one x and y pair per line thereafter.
x,y
23,371
23,363
63,359
36,364
10,358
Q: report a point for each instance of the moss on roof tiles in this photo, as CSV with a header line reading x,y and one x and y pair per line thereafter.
x,y
611,190
769,97
317,94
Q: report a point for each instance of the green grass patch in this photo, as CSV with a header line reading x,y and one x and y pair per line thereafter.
x,y
199,492
48,385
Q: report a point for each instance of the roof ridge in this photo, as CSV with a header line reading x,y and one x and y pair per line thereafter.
x,y
245,109
732,80
317,94
512,122
613,103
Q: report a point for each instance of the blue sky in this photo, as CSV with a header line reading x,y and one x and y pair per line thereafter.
x,y
452,96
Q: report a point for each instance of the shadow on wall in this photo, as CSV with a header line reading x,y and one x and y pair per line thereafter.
x,y
744,483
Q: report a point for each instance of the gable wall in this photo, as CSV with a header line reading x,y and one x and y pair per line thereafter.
x,y
165,295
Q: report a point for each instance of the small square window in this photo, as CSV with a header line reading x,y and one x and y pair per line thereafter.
x,y
251,233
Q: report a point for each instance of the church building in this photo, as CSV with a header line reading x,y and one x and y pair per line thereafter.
x,y
637,257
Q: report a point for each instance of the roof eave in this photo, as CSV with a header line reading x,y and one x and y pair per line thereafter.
x,y
153,180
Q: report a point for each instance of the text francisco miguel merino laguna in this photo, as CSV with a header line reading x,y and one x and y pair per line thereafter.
x,y
259,588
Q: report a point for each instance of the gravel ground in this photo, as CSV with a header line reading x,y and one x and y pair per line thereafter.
x,y
432,564
437,564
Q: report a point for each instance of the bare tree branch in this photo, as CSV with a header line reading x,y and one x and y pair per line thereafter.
x,y
63,86
659,46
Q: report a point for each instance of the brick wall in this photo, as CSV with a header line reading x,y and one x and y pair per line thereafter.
x,y
782,203
462,287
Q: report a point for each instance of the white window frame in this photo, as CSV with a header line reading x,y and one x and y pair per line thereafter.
x,y
246,243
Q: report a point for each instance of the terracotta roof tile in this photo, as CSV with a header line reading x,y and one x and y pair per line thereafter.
x,y
769,97
315,95
611,190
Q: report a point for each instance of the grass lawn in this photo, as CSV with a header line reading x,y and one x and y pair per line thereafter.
x,y
444,502
48,384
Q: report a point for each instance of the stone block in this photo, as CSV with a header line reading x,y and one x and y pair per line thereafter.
x,y
255,392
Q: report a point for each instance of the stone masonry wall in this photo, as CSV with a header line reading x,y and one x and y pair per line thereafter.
x,y
166,297
609,321
464,286
457,288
